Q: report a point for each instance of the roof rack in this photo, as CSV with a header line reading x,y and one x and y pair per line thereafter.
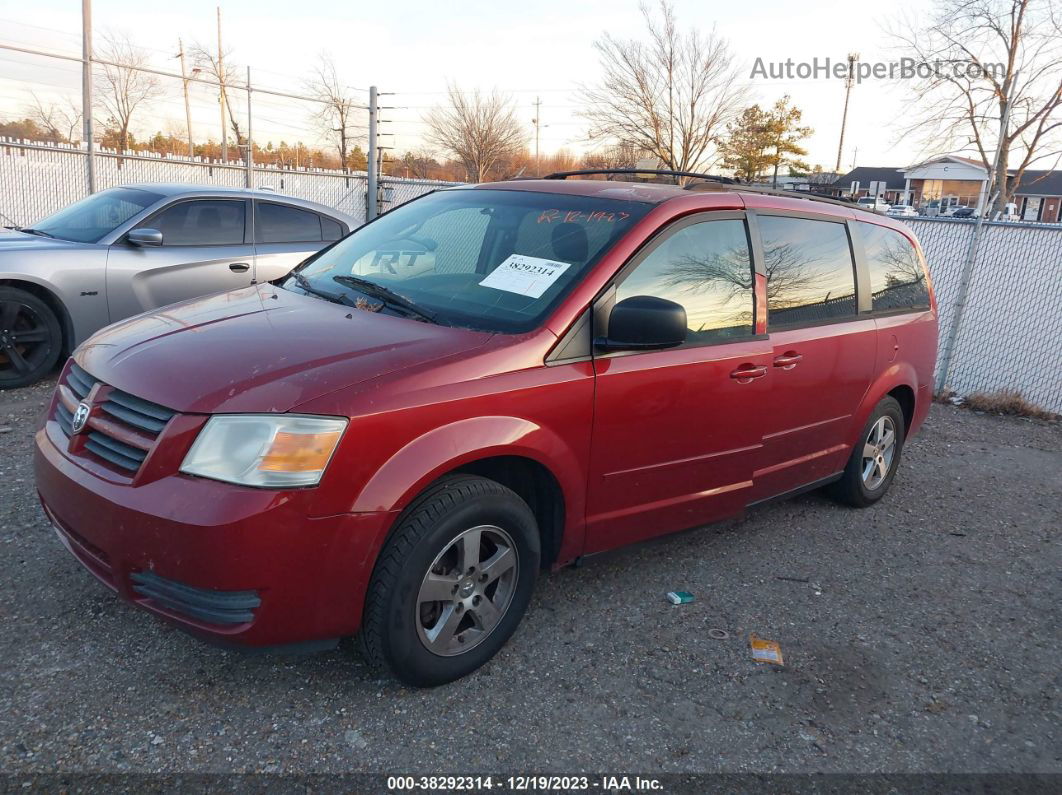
x,y
656,172
709,182
789,194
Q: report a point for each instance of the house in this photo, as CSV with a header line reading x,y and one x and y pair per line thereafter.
x,y
954,180
857,183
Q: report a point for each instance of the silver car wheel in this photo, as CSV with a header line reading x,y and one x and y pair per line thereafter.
x,y
879,450
467,590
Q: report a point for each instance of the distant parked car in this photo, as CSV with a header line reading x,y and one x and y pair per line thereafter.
x,y
873,203
961,212
902,211
125,250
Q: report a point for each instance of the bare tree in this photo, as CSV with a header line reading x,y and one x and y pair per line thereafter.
x,y
989,76
62,122
614,156
480,130
670,96
339,110
226,73
122,89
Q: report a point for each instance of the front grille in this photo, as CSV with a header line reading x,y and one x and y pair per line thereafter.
x,y
213,607
124,428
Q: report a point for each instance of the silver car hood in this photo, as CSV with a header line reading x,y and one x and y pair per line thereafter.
x,y
10,240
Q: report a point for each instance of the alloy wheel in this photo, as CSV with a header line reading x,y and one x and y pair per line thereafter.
x,y
879,449
467,590
25,340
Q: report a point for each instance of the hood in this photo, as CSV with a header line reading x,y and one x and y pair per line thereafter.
x,y
11,240
259,349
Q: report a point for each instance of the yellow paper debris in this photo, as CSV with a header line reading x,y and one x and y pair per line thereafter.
x,y
765,651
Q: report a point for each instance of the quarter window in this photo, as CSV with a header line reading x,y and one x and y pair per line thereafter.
x,y
810,271
330,230
201,223
279,223
897,280
707,268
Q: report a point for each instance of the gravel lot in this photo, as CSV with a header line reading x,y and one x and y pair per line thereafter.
x,y
919,635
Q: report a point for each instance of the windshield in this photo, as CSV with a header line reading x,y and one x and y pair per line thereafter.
x,y
496,260
88,220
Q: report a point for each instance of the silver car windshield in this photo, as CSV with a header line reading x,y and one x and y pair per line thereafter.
x,y
88,220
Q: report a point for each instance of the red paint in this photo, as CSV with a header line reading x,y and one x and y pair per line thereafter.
x,y
640,444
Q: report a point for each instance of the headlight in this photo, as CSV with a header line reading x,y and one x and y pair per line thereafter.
x,y
270,450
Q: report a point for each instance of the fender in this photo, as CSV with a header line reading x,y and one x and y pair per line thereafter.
x,y
66,322
443,449
896,374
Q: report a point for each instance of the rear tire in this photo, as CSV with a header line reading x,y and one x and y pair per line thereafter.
x,y
875,458
30,338
472,543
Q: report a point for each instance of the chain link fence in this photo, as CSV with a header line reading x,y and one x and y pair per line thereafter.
x,y
37,179
1013,317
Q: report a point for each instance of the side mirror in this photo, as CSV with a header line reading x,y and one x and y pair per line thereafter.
x,y
144,237
643,323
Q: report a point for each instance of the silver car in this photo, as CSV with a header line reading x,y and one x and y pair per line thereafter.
x,y
127,250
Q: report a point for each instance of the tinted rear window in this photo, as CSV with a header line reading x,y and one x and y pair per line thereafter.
x,y
810,271
897,280
279,223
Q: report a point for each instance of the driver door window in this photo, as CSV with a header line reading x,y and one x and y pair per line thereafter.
x,y
201,223
707,268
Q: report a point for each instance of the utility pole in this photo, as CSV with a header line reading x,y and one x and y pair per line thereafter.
x,y
221,95
250,138
187,107
537,122
371,181
848,82
86,91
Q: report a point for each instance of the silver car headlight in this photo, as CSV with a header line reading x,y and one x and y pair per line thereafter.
x,y
266,450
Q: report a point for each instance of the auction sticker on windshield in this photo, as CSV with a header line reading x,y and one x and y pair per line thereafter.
x,y
523,275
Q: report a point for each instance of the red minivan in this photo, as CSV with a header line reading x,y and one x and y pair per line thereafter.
x,y
482,383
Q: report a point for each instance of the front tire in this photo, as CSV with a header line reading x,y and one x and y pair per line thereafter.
x,y
452,582
30,338
875,458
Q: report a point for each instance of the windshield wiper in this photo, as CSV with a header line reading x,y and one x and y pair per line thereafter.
x,y
387,295
41,232
335,298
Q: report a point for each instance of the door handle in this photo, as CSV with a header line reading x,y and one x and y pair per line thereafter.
x,y
239,267
788,360
748,372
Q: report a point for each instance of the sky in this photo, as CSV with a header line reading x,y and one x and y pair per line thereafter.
x,y
411,48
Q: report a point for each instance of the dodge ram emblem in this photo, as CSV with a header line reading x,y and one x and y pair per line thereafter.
x,y
81,415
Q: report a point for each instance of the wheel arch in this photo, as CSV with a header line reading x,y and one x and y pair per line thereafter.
x,y
44,292
899,381
532,460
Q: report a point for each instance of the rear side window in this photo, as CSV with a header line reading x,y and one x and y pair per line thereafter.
x,y
810,271
706,267
897,280
330,230
279,223
201,223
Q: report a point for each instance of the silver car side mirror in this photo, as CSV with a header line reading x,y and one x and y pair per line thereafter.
x,y
145,237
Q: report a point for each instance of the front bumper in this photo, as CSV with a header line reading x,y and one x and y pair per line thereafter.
x,y
177,543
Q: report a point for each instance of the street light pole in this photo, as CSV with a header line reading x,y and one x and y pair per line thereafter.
x,y
187,107
86,91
